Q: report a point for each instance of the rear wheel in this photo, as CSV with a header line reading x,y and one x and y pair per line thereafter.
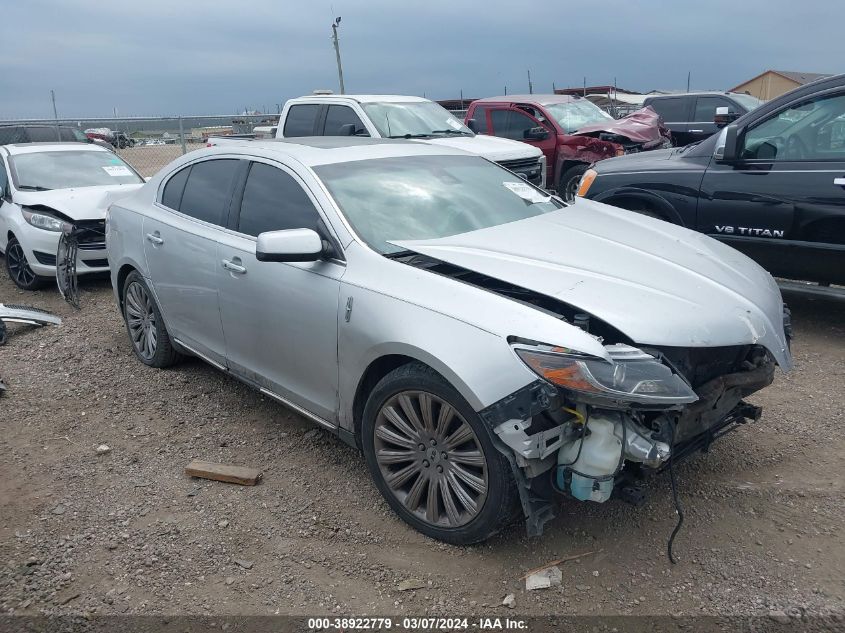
x,y
18,267
433,460
150,340
569,181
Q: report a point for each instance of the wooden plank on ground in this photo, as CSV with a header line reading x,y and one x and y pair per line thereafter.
x,y
223,472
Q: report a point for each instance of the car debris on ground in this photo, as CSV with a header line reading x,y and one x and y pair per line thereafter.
x,y
558,561
548,577
410,584
26,315
223,472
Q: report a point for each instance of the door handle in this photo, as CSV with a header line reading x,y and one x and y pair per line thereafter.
x,y
154,239
233,266
696,131
839,181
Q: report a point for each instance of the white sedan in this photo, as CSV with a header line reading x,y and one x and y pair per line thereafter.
x,y
49,188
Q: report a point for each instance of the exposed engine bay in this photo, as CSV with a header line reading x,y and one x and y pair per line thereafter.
x,y
584,443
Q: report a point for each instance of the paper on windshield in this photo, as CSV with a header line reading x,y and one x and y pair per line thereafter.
x,y
454,123
117,170
526,192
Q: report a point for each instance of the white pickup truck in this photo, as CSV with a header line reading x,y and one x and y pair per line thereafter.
x,y
396,116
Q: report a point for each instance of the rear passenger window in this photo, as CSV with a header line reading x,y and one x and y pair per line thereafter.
x,y
273,201
339,116
673,110
300,120
209,190
171,197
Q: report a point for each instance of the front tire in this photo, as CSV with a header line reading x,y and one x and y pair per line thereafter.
x,y
569,181
18,267
433,459
145,325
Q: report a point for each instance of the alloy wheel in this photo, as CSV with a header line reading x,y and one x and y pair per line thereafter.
x,y
141,320
571,189
431,459
19,268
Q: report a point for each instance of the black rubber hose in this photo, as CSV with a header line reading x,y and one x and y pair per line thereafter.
x,y
678,507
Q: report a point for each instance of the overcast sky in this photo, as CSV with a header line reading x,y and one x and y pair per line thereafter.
x,y
169,57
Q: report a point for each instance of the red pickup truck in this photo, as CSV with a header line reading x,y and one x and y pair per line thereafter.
x,y
571,131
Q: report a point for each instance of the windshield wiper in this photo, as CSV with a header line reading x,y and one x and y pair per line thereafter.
x,y
410,136
33,188
450,131
399,254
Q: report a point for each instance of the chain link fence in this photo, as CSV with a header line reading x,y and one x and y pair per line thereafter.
x,y
148,144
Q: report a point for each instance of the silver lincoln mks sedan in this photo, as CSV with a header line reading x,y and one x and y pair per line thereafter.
x,y
488,347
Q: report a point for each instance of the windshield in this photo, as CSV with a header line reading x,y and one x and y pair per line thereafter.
x,y
575,115
747,101
415,119
40,171
426,197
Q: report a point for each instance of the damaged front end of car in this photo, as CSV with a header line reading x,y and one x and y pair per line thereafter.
x,y
640,131
662,335
591,429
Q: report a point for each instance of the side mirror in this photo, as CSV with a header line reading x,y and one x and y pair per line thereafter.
x,y
723,116
537,134
347,129
728,153
291,245
472,124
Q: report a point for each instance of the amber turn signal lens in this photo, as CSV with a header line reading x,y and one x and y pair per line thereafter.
x,y
586,181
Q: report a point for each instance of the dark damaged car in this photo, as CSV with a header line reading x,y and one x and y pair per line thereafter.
x,y
572,132
772,184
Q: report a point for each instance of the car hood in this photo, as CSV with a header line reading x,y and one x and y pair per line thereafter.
x,y
642,126
658,283
491,147
657,160
82,203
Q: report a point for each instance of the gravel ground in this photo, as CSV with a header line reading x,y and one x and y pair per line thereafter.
x,y
126,532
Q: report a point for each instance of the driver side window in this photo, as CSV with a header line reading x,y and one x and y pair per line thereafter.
x,y
810,131
512,124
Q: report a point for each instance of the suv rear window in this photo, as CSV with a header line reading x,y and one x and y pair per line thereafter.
x,y
300,120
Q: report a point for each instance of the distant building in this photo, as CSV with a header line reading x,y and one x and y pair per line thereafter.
x,y
773,83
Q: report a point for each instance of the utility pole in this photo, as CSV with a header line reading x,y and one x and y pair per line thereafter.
x,y
55,115
335,24
530,85
689,74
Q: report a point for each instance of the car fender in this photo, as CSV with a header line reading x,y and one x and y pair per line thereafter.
x,y
479,364
654,200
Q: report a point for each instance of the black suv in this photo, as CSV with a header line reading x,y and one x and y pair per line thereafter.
x,y
690,117
771,184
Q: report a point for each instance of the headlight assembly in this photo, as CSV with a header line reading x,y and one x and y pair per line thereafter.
x,y
45,221
630,376
587,181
